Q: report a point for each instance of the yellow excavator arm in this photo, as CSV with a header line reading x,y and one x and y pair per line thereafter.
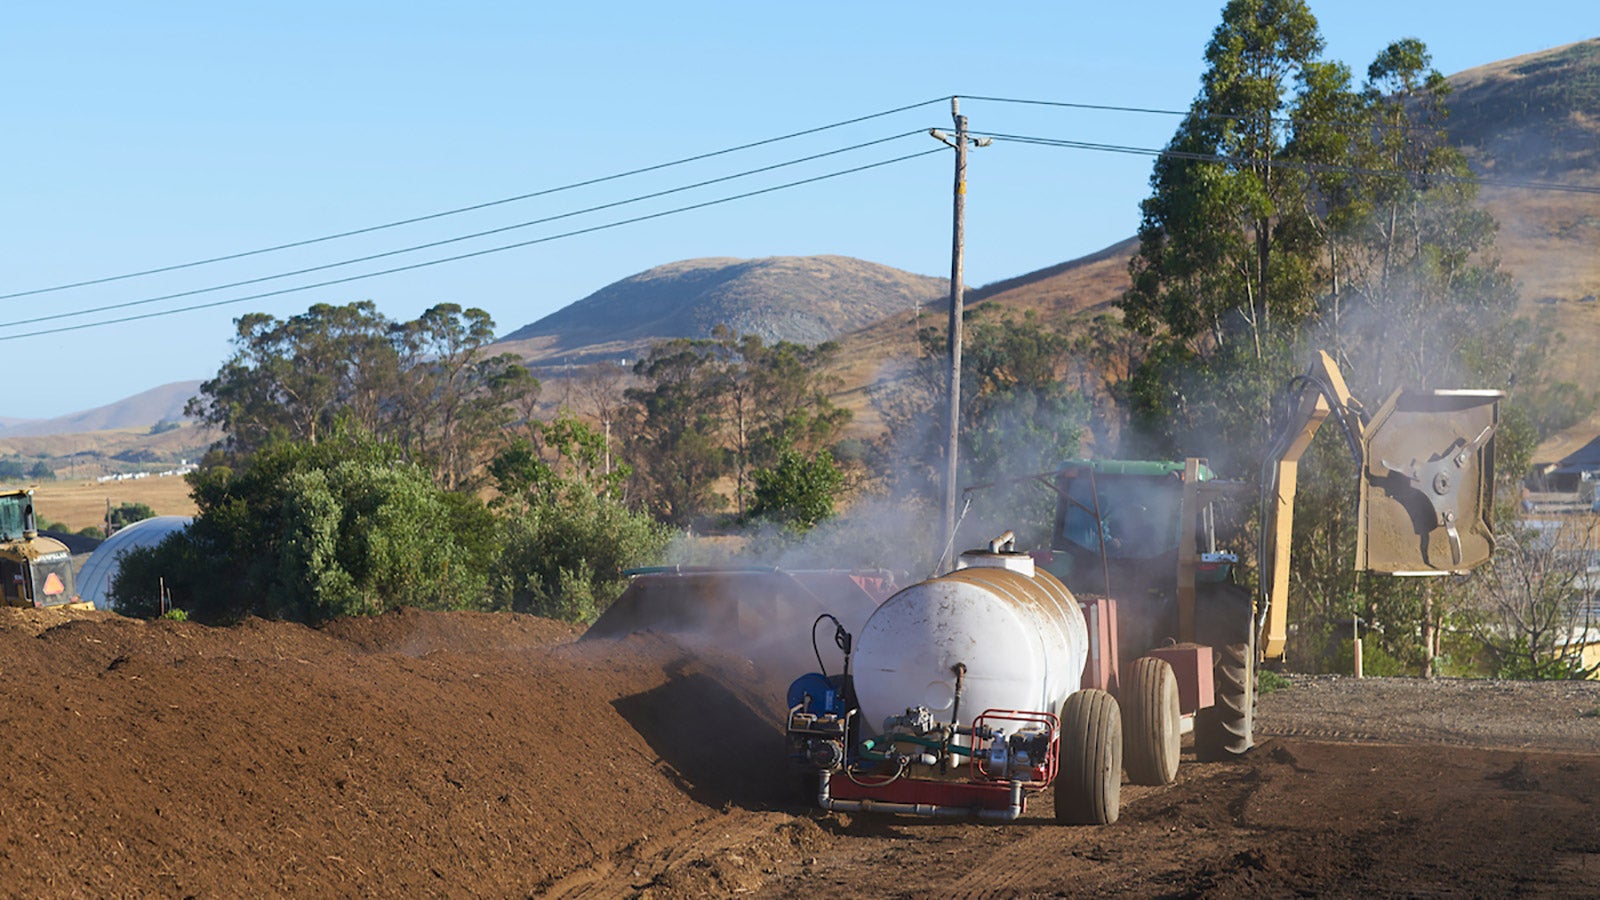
x,y
1426,460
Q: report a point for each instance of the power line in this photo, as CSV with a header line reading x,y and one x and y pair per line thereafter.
x,y
1232,117
1023,139
476,253
474,207
1094,106
591,182
1298,165
466,237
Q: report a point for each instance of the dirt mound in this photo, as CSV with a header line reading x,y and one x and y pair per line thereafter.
x,y
412,632
419,753
455,754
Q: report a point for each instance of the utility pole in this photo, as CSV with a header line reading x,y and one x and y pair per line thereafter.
x,y
953,377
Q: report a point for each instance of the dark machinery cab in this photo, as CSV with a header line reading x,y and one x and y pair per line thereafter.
x,y
34,570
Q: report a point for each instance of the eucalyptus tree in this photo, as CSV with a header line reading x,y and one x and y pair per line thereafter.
x,y
1225,246
1229,265
292,378
430,385
675,431
455,398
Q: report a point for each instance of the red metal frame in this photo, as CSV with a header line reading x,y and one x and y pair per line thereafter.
x,y
1045,773
954,794
980,791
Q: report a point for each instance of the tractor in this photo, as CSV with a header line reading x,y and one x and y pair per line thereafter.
x,y
967,693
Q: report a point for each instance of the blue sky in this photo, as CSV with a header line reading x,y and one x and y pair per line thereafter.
x,y
148,135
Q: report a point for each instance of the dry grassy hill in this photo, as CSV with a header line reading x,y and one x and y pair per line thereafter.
x,y
807,300
160,404
1536,118
91,454
1095,281
78,503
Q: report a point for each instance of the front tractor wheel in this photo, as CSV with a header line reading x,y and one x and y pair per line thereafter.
x,y
1089,776
1151,721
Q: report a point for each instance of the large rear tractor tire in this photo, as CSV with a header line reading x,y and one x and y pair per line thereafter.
x,y
1151,722
1089,777
1226,730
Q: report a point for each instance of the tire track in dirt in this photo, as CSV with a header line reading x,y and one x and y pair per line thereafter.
x,y
735,852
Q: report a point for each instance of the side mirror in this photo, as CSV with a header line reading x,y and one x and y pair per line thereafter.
x,y
1427,483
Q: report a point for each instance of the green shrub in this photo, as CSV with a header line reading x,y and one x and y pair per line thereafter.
x,y
797,492
1375,661
1268,681
564,554
313,531
129,513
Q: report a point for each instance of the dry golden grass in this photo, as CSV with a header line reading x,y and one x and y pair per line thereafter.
x,y
1094,281
79,504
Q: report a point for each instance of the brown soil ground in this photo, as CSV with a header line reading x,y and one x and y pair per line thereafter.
x,y
462,754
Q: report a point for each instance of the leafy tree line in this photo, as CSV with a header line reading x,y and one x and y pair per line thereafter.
x,y
370,464
429,385
333,494
13,470
347,525
351,479
734,409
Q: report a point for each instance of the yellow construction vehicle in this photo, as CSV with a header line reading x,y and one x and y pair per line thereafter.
x,y
35,571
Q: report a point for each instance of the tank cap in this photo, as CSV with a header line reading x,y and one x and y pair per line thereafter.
x,y
1001,554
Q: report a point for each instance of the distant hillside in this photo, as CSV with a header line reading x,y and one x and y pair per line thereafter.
x,y
805,299
1096,280
1536,118
161,404
1531,116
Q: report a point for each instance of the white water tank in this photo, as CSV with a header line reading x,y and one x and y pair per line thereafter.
x,y
1018,631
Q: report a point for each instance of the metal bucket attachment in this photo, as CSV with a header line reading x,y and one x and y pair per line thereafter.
x,y
1427,488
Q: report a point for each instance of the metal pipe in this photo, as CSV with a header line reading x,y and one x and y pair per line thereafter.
x,y
960,669
927,810
1100,529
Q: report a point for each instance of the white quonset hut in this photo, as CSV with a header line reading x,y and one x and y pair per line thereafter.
x,y
94,579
